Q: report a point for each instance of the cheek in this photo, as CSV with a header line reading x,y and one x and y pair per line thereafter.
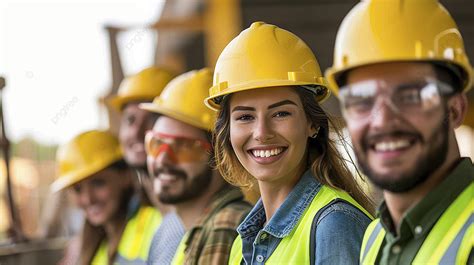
x,y
75,198
123,133
297,136
105,194
149,163
238,136
356,132
193,169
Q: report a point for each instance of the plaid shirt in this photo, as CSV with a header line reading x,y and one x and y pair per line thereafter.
x,y
209,242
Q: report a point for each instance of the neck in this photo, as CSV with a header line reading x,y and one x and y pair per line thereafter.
x,y
113,229
192,210
274,193
399,204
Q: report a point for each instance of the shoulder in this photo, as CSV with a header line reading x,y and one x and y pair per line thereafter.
x,y
343,213
339,233
231,215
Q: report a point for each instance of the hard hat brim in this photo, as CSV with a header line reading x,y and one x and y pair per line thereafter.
x,y
151,107
72,178
210,101
117,103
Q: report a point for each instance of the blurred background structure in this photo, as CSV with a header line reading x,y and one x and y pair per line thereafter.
x,y
61,60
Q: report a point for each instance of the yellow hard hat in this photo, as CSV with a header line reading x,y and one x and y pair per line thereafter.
x,y
85,155
143,86
183,98
377,31
265,55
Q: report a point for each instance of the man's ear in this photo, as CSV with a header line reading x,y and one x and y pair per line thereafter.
x,y
457,109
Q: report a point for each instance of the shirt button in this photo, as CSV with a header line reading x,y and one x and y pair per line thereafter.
x,y
396,249
263,236
260,258
418,230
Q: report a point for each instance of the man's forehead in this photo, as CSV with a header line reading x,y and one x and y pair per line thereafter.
x,y
132,106
392,72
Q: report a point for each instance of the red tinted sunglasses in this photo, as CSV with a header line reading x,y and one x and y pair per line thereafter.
x,y
179,148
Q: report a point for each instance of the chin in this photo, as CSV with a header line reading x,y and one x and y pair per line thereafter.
x,y
96,221
136,160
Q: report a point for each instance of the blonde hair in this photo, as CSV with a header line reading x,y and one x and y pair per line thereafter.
x,y
326,164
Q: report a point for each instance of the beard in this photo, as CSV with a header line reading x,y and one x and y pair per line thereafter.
x,y
426,164
192,189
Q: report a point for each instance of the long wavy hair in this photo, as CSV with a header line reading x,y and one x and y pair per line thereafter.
x,y
326,163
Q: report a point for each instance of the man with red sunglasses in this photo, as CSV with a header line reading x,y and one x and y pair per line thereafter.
x,y
179,159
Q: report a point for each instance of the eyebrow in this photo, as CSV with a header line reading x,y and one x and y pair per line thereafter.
x,y
281,103
274,105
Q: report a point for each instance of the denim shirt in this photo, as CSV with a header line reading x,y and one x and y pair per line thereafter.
x,y
339,230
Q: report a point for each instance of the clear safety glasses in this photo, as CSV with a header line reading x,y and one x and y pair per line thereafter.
x,y
362,100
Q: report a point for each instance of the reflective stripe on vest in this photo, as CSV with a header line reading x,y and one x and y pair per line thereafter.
x,y
450,241
136,239
373,238
294,248
180,254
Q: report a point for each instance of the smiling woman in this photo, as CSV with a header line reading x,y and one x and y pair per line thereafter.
x,y
92,169
271,131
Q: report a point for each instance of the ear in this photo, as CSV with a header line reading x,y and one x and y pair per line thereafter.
x,y
313,131
457,109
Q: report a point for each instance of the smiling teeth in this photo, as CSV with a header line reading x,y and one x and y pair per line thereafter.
x,y
267,153
391,146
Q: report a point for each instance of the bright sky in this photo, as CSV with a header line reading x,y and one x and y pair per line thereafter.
x,y
56,61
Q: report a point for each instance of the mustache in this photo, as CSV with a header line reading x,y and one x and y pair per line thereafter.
x,y
169,170
374,137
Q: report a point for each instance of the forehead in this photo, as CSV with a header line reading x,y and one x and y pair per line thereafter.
x,y
171,126
132,108
265,96
394,72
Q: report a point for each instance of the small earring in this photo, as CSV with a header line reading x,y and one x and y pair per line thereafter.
x,y
316,133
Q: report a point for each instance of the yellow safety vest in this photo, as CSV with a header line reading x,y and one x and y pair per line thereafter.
x,y
136,239
180,254
449,242
295,248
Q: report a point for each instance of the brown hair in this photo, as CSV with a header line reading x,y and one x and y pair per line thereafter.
x,y
326,164
92,236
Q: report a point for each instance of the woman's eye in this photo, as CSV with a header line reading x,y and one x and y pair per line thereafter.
x,y
77,188
244,117
282,114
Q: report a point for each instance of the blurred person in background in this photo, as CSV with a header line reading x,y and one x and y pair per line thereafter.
x,y
134,122
179,158
117,229
401,73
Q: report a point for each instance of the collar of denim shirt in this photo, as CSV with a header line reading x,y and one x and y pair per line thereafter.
x,y
287,216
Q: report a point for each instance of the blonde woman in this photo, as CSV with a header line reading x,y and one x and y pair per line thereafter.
x,y
272,131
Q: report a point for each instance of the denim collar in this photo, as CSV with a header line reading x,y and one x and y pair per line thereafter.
x,y
288,214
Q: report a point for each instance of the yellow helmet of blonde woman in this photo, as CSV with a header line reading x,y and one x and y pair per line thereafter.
x,y
264,56
183,99
379,31
143,86
85,155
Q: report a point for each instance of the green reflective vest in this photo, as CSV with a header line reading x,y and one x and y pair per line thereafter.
x,y
449,242
295,248
136,239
